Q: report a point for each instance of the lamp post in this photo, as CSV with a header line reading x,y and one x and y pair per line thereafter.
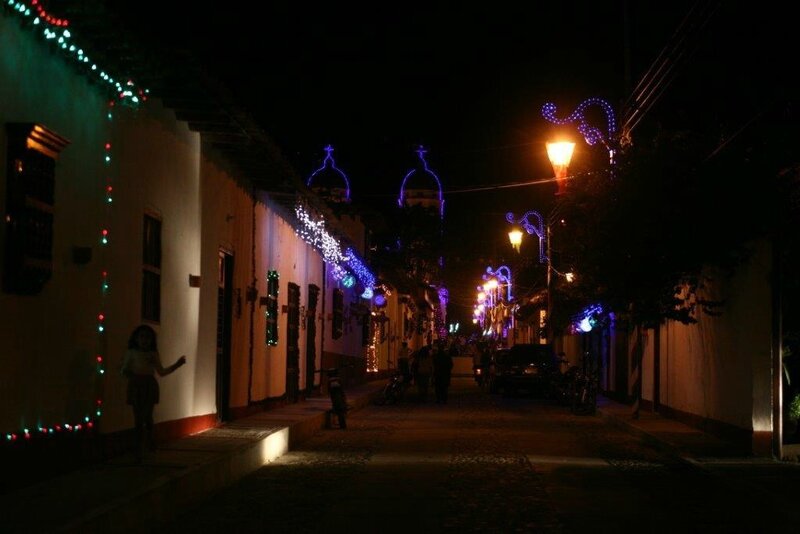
x,y
560,155
533,223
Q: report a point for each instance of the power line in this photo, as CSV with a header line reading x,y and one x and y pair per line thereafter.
x,y
664,69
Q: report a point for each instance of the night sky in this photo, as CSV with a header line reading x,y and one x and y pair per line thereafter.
x,y
467,82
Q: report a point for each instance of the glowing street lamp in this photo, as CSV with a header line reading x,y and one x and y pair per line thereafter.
x,y
515,236
560,154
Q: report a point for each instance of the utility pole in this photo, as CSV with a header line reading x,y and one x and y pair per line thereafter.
x,y
549,285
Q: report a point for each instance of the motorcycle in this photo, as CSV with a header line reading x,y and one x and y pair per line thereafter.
x,y
394,389
562,384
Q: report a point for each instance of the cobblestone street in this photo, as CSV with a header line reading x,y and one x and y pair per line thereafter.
x,y
482,463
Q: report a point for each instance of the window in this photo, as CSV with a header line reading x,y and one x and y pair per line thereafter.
x,y
151,269
32,151
338,314
272,308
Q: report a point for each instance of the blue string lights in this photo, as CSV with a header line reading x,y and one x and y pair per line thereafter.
x,y
314,233
591,134
361,271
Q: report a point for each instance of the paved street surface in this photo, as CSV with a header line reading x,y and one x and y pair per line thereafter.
x,y
485,463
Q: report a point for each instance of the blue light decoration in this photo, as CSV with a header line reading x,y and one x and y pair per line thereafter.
x,y
361,271
504,274
531,228
591,134
401,200
348,280
57,31
329,160
441,311
380,301
587,319
313,232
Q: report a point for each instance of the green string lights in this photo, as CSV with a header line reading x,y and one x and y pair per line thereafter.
x,y
56,30
272,308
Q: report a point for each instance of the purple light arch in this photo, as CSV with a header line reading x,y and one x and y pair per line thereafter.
x,y
590,133
401,199
504,274
329,158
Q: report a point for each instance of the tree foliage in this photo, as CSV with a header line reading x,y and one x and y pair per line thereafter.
x,y
683,200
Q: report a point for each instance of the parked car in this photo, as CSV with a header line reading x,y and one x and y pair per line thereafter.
x,y
526,366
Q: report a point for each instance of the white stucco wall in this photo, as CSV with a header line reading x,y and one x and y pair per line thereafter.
x,y
157,170
54,336
228,220
720,368
49,341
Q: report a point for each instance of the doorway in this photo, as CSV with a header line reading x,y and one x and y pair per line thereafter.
x,y
311,336
292,348
224,321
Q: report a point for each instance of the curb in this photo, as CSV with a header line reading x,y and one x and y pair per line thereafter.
x,y
658,443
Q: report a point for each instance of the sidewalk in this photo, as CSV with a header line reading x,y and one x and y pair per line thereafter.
x,y
122,496
682,441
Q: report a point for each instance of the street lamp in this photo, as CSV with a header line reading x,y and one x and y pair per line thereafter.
x,y
560,154
515,236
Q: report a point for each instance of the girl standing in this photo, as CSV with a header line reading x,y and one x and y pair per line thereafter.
x,y
141,363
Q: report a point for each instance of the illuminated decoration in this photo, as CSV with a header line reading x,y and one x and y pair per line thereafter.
x,y
348,280
361,271
314,233
402,200
440,313
504,274
591,134
56,30
532,228
95,412
372,348
587,319
271,312
329,161
380,301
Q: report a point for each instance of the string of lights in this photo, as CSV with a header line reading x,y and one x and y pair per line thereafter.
x,y
57,30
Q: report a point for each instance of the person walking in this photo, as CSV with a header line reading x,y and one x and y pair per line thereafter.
x,y
423,368
141,362
442,368
404,363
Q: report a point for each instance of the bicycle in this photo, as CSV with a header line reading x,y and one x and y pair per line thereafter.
x,y
584,394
